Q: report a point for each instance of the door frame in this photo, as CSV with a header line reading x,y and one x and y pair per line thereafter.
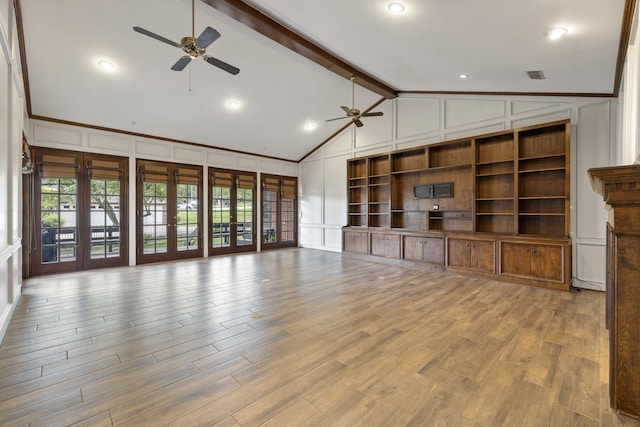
x,y
278,243
233,230
33,200
173,254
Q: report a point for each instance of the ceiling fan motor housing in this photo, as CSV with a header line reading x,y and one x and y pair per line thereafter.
x,y
188,44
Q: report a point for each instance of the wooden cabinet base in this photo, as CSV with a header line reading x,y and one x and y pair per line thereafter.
x,y
543,262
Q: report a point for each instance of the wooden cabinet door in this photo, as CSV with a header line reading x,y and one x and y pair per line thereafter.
x,y
385,245
458,251
471,254
546,262
536,261
413,248
433,250
516,259
481,255
424,249
356,242
393,246
378,244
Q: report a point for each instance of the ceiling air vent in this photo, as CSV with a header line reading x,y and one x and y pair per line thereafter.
x,y
536,75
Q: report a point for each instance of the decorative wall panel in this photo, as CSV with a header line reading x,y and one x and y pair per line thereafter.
x,y
417,116
110,142
52,134
312,174
460,112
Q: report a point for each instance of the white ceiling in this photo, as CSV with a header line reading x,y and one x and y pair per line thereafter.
x,y
423,49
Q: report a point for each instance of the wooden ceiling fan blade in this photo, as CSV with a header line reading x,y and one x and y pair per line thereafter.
x,y
155,36
347,110
337,118
208,36
222,65
182,62
358,123
374,114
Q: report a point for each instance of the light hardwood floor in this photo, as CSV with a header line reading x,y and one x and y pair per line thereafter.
x,y
300,337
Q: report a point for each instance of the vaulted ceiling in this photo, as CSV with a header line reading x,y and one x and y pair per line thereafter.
x,y
295,59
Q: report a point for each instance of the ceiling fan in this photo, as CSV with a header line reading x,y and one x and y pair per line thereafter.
x,y
353,113
192,46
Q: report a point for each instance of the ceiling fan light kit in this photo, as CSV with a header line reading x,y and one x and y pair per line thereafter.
x,y
192,46
353,113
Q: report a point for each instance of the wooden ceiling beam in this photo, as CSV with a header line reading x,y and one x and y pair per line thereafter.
x,y
266,26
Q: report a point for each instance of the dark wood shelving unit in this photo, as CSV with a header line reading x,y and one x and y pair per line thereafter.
x,y
495,192
543,181
450,221
494,207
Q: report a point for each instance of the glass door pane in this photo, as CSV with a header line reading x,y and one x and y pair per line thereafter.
x,y
269,215
288,212
105,219
219,210
58,219
155,217
187,225
244,215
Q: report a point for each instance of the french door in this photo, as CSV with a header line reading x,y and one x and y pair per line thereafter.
x,y
279,211
168,211
232,213
79,217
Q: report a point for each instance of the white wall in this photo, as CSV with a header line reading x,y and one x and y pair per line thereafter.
x,y
54,135
629,151
11,119
413,120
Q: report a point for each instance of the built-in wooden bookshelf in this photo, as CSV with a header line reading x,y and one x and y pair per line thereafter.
x,y
357,193
495,184
510,185
450,220
379,199
543,181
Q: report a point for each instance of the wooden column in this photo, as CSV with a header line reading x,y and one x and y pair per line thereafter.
x,y
620,188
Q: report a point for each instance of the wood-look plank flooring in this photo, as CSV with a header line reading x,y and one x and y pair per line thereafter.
x,y
300,337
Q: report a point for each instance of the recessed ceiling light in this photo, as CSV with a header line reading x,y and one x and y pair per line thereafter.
x,y
234,105
463,76
396,7
556,33
106,65
310,126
